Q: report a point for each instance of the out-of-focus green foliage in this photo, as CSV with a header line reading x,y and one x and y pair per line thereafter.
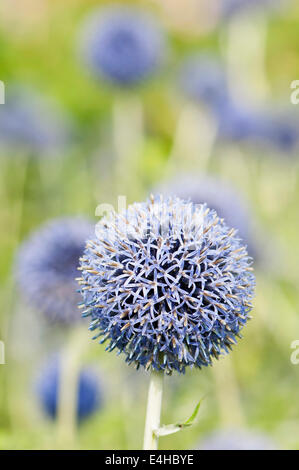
x,y
40,48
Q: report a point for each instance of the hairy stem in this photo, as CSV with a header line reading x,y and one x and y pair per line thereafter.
x,y
153,412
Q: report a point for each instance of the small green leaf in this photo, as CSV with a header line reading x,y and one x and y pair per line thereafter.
x,y
189,421
167,429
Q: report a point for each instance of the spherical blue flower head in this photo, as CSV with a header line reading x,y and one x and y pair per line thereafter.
x,y
237,439
168,283
29,123
202,78
123,45
46,267
218,195
89,395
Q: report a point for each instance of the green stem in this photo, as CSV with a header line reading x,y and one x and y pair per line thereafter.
x,y
228,394
153,412
17,209
128,135
68,390
193,141
245,56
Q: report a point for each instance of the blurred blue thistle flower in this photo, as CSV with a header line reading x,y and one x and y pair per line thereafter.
x,y
46,267
123,45
31,124
168,283
202,78
281,130
89,394
230,8
237,439
239,123
218,195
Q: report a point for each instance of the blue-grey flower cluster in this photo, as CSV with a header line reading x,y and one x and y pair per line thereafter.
x,y
230,8
240,123
123,45
280,129
46,267
168,283
89,393
237,439
203,79
218,195
30,124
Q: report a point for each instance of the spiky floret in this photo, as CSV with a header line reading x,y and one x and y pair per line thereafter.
x,y
46,267
168,283
89,393
123,45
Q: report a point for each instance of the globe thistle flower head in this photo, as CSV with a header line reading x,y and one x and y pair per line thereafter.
x,y
30,123
237,439
46,267
202,78
218,195
123,45
167,283
89,394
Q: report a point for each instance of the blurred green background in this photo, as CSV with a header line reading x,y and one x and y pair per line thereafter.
x,y
257,386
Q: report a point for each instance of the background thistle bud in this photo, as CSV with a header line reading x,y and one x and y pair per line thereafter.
x,y
89,394
230,8
167,283
202,78
32,123
46,267
123,45
219,195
